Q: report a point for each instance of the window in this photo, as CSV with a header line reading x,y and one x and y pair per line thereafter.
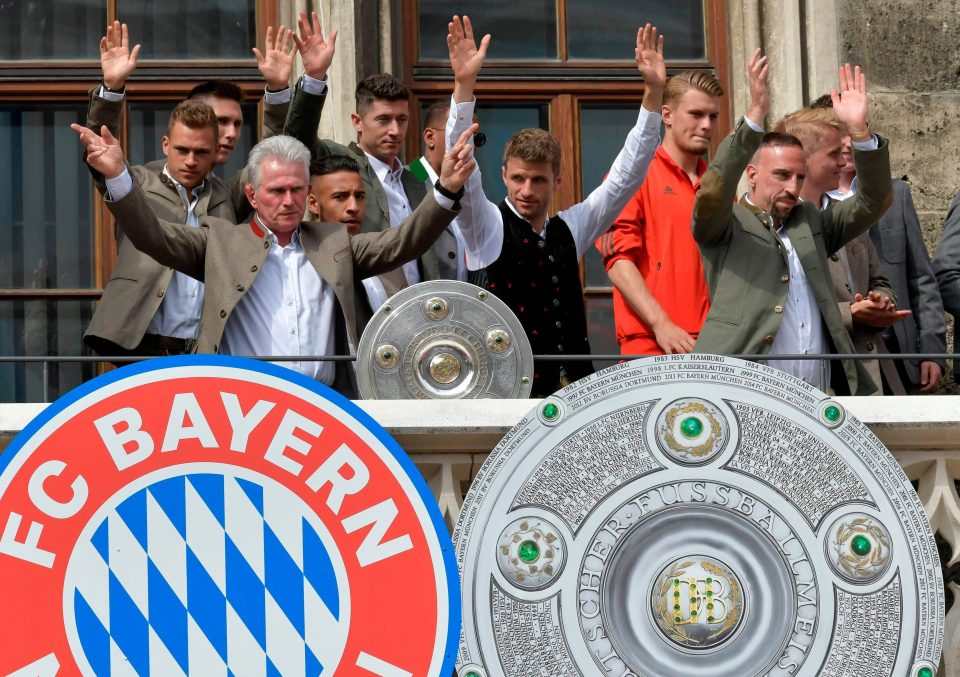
x,y
571,61
57,240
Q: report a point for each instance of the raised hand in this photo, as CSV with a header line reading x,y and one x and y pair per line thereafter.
x,y
315,52
117,60
850,103
466,59
458,163
104,153
276,62
649,55
759,94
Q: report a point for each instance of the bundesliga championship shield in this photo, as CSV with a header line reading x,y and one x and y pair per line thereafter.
x,y
444,340
218,516
695,515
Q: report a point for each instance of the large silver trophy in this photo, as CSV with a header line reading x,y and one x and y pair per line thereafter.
x,y
444,340
695,515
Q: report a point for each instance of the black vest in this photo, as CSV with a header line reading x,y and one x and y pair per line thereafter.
x,y
539,279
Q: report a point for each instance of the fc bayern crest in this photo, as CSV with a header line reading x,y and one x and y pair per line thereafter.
x,y
218,516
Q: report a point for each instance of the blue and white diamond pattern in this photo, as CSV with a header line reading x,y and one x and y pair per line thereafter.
x,y
245,586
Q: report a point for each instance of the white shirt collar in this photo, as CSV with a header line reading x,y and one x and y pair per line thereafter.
x,y
381,168
294,239
546,218
181,188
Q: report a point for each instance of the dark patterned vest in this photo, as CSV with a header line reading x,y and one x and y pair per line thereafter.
x,y
539,279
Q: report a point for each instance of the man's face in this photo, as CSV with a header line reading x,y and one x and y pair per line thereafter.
x,y
190,153
281,195
530,187
338,198
825,164
846,153
776,179
692,120
230,118
382,126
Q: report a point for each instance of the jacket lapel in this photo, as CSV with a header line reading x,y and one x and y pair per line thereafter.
x,y
370,178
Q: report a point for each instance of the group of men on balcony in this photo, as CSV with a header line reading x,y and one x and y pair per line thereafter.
x,y
788,269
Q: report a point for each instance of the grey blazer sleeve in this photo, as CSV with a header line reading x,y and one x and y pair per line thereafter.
x,y
946,260
101,112
175,245
922,282
303,118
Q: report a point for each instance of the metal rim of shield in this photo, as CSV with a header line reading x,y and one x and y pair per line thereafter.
x,y
239,517
695,515
444,339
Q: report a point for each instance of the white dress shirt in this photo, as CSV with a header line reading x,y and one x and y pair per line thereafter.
x,y
481,224
397,203
179,312
461,244
288,310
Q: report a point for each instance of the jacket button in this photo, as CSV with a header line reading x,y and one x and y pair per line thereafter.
x,y
550,258
778,309
223,313
555,279
239,287
253,269
451,255
558,324
784,278
560,347
160,293
556,303
834,257
768,339
266,244
870,347
541,243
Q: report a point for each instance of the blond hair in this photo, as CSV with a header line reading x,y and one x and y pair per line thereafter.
x,y
677,85
811,125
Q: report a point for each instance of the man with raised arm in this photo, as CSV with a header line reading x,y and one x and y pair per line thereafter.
x,y
147,308
765,257
525,256
660,297
380,122
278,285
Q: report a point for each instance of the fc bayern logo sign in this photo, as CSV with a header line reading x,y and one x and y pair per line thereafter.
x,y
218,516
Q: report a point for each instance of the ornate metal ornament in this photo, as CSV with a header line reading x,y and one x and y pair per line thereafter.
x,y
444,340
704,515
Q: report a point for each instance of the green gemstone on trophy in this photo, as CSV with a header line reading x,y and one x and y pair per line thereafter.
x,y
832,413
924,672
471,674
529,551
691,427
709,581
860,545
550,411
676,581
676,594
676,607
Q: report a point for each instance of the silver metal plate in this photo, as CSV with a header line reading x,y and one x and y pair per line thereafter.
x,y
695,515
444,340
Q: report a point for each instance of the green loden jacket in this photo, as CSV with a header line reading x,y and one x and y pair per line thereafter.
x,y
745,263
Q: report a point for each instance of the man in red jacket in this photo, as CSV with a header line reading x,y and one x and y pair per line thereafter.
x,y
660,298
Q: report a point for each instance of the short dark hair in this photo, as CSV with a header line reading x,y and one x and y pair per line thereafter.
x,y
780,139
825,101
331,164
218,89
195,115
436,115
382,86
533,145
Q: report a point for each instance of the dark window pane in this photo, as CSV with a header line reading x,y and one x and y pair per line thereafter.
x,y
603,129
43,29
191,29
600,329
679,21
521,30
46,231
148,124
42,328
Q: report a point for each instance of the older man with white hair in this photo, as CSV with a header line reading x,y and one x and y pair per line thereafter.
x,y
281,286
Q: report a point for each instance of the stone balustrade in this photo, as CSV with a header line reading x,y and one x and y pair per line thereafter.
x,y
449,440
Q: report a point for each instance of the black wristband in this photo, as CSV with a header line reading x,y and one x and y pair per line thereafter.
x,y
449,194
122,90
